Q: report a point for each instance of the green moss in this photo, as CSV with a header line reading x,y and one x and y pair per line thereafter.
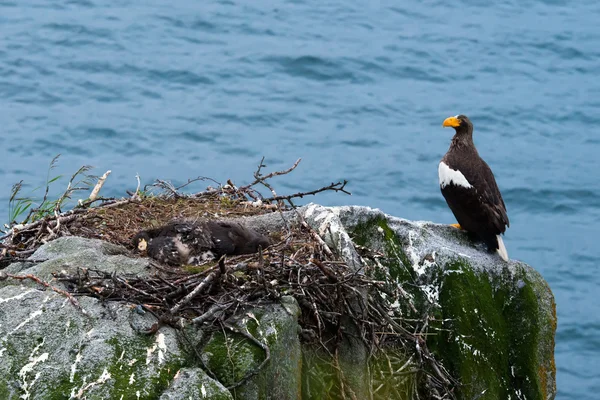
x,y
5,392
231,356
320,377
195,269
489,338
391,376
396,262
121,369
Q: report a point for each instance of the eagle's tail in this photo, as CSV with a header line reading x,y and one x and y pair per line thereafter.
x,y
501,248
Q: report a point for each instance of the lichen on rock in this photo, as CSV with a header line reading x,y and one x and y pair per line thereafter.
x,y
489,325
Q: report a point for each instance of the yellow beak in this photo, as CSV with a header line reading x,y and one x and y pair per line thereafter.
x,y
452,122
142,245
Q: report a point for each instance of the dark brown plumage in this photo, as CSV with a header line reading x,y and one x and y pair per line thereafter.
x,y
191,242
469,187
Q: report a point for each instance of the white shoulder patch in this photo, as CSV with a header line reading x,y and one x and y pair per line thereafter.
x,y
449,175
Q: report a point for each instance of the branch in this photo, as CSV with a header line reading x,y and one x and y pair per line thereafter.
x,y
34,278
210,313
98,186
200,178
205,284
325,270
336,187
261,179
165,185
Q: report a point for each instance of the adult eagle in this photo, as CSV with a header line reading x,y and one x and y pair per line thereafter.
x,y
470,189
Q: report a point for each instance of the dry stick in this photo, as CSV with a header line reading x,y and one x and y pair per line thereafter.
x,y
210,313
98,186
136,195
222,268
205,284
167,186
333,186
34,278
122,281
200,178
67,216
70,190
325,270
313,233
260,178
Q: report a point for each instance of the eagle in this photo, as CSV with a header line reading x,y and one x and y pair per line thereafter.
x,y
469,187
192,242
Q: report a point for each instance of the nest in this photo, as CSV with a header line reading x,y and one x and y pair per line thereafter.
x,y
332,295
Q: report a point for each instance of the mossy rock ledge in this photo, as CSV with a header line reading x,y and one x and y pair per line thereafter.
x,y
491,325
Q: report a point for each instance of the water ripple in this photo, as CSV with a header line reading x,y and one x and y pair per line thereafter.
x,y
358,90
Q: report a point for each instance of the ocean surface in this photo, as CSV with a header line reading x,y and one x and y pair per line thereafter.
x,y
357,89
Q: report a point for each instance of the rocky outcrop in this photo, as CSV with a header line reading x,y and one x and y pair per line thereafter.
x,y
494,322
491,324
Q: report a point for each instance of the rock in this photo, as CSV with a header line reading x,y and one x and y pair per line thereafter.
x,y
71,252
51,349
496,320
194,383
231,356
491,324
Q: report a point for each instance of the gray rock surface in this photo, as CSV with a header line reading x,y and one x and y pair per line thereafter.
x,y
69,253
496,322
194,383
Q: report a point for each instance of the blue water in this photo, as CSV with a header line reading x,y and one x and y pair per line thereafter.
x,y
358,89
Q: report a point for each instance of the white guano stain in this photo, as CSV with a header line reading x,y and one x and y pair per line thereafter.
x,y
330,228
449,176
411,253
28,368
78,358
31,317
17,297
432,293
104,377
421,269
159,345
203,390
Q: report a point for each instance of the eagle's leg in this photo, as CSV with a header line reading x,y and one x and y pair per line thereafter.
x,y
457,226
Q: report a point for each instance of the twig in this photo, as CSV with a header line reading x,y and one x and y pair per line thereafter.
x,y
336,187
98,186
66,216
325,270
210,313
70,189
34,278
124,282
200,178
205,284
259,178
168,186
